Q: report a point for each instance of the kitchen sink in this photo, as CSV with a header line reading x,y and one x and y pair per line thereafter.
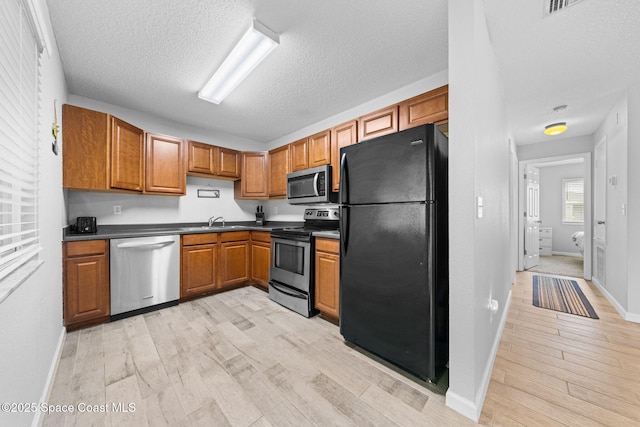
x,y
212,228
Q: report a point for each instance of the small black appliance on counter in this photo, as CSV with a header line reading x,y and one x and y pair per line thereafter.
x,y
85,225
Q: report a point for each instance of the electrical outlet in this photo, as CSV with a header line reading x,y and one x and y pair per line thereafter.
x,y
117,209
275,210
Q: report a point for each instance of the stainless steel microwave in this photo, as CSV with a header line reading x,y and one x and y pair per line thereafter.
x,y
310,186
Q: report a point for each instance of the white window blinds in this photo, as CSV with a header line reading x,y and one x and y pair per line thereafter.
x,y
19,87
573,201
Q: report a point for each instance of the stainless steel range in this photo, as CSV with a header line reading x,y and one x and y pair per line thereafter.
x,y
292,271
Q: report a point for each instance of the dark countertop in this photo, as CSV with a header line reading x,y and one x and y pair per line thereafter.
x,y
141,230
333,234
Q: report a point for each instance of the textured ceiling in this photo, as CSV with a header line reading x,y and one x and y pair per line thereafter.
x,y
584,56
154,56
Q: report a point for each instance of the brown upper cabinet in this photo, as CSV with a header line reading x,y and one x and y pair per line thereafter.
x,y
209,161
102,152
378,123
253,181
430,107
311,152
299,155
319,147
278,170
127,156
165,165
201,158
341,136
228,163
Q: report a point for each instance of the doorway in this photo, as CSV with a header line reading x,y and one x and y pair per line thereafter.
x,y
555,233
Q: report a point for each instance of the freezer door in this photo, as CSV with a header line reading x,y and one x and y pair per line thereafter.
x,y
386,302
391,168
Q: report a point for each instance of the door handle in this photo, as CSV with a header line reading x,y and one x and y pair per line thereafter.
x,y
344,229
315,183
600,222
344,182
147,245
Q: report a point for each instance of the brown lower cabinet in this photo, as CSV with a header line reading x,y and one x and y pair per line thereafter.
x,y
199,265
234,258
86,283
327,287
260,258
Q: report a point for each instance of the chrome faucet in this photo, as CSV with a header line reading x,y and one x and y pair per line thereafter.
x,y
212,220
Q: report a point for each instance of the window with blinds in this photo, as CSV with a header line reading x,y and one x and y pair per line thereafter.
x,y
19,88
573,201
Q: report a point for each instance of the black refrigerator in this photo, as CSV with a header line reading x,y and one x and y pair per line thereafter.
x,y
394,251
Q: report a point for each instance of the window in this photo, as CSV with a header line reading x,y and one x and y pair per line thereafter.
x,y
573,201
19,88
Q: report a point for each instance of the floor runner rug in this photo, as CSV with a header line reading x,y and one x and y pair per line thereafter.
x,y
561,294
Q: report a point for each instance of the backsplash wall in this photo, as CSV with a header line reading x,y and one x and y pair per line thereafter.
x,y
145,209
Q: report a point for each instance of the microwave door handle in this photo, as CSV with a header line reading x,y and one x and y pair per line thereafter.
x,y
315,183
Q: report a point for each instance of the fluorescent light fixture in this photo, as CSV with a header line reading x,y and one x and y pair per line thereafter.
x,y
254,46
555,129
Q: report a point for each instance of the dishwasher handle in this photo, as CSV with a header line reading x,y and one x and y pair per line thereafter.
x,y
145,245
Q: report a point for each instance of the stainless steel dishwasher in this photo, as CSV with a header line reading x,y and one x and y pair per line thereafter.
x,y
145,274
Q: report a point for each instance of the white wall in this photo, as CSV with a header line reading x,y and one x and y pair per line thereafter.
x,y
31,317
621,129
479,166
551,205
556,148
633,207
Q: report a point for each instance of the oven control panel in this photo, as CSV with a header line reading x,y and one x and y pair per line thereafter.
x,y
329,214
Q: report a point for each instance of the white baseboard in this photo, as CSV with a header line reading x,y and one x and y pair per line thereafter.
x,y
473,409
48,386
631,317
575,254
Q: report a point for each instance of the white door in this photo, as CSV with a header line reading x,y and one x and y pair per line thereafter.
x,y
600,214
532,227
600,192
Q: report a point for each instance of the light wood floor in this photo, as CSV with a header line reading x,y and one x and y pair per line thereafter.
x,y
559,369
239,359
233,359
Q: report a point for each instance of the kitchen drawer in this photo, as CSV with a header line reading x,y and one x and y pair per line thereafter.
x,y
261,236
199,239
328,245
234,236
86,247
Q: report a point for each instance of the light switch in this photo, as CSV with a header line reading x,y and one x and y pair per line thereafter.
x,y
479,207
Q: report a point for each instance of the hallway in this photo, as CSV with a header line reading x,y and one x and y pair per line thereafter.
x,y
560,369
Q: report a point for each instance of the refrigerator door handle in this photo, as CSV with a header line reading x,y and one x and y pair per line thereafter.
x,y
343,179
344,229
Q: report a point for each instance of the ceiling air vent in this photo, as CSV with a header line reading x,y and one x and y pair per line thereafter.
x,y
553,6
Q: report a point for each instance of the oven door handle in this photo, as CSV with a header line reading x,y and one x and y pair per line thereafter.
x,y
282,289
291,240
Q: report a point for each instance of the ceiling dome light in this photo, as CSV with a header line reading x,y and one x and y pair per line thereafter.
x,y
555,129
